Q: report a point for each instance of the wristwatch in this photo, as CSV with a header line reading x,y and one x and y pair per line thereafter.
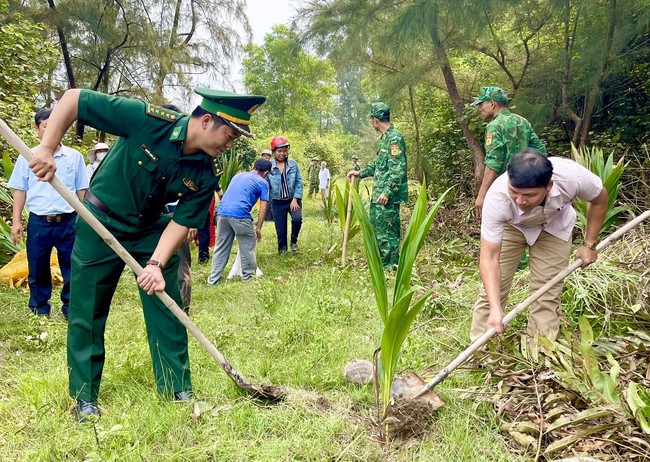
x,y
155,263
590,245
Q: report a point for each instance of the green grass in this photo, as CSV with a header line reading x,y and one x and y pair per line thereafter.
x,y
297,326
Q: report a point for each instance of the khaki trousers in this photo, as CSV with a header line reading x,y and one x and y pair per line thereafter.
x,y
547,257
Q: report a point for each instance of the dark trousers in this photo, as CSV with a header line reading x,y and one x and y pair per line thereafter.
x,y
280,209
204,241
42,236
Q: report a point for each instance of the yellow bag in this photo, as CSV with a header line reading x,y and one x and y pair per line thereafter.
x,y
14,273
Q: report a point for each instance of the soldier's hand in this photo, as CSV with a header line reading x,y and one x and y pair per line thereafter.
x,y
151,280
352,174
16,232
42,164
478,204
191,234
382,199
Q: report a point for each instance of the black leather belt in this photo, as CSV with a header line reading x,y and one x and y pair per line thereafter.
x,y
90,197
56,218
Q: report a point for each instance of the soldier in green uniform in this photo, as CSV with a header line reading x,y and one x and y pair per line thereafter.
x,y
390,188
507,134
355,163
161,156
312,176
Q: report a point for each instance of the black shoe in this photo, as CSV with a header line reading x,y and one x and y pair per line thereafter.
x,y
86,411
183,396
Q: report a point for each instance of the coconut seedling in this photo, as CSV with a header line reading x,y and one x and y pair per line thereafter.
x,y
398,314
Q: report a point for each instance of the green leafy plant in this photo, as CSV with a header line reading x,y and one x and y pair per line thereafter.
x,y
342,197
397,316
327,204
639,401
228,165
610,174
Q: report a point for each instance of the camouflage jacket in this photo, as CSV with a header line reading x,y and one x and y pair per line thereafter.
x,y
506,135
312,173
389,168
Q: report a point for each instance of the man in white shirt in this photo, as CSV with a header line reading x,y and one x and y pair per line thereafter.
x,y
51,219
324,180
530,207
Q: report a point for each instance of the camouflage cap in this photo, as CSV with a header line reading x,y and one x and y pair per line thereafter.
x,y
491,94
314,158
355,157
235,109
380,111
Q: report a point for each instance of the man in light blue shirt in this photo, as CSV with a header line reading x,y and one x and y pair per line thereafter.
x,y
235,220
51,219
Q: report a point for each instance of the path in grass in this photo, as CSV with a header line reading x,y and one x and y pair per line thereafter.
x,y
297,326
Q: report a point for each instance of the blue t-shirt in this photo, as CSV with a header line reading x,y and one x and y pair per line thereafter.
x,y
243,192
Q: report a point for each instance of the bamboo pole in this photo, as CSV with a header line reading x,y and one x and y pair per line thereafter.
x,y
273,393
348,218
487,335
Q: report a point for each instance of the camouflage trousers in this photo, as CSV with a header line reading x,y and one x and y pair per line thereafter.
x,y
313,188
385,221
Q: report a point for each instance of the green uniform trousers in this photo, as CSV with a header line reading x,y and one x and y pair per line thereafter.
x,y
385,221
313,188
96,270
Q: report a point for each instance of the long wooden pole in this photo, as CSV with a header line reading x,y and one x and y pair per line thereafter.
x,y
488,334
348,218
272,393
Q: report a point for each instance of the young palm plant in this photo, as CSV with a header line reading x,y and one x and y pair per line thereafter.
x,y
610,174
228,165
397,316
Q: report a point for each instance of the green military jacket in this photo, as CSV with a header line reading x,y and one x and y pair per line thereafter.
x,y
145,168
506,135
312,174
389,168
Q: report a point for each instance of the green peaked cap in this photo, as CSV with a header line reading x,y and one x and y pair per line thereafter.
x,y
491,94
379,110
235,109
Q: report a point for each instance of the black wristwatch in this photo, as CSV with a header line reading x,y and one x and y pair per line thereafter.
x,y
155,263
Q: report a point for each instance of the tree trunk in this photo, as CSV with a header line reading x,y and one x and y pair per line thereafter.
x,y
569,39
419,171
66,60
590,105
475,147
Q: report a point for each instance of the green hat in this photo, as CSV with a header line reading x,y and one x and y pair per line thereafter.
x,y
355,157
314,158
235,109
380,111
491,94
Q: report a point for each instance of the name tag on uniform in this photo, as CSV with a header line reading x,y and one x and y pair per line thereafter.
x,y
149,154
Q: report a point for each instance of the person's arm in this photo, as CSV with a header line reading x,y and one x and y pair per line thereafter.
x,y
596,211
396,170
264,205
16,221
172,237
62,118
297,192
536,143
489,176
491,276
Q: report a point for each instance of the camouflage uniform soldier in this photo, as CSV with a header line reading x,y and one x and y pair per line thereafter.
x,y
390,189
312,176
507,134
355,163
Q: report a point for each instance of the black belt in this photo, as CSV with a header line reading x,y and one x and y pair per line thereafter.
x,y
90,197
56,218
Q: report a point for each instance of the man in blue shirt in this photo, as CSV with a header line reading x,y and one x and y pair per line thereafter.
x,y
235,219
51,219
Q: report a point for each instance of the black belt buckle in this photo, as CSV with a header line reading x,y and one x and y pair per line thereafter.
x,y
53,218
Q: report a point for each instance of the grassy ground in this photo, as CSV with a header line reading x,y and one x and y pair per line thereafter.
x,y
297,326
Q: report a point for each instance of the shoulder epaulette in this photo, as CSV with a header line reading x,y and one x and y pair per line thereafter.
x,y
161,113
